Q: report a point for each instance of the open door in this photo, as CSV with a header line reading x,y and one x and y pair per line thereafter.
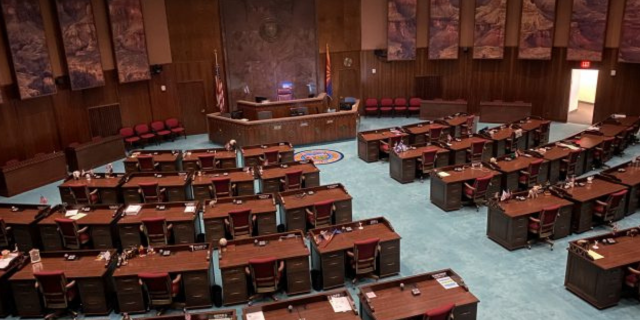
x,y
584,83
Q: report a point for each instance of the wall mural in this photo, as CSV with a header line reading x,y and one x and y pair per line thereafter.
x,y
269,43
444,29
536,29
630,41
488,40
80,43
587,32
28,46
129,42
401,30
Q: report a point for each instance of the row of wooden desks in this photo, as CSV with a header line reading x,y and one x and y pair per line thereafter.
x,y
176,160
447,184
628,174
522,132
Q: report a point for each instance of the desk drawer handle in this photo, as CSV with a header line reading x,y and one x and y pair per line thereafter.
x,y
234,279
297,264
391,263
299,281
391,247
197,296
131,302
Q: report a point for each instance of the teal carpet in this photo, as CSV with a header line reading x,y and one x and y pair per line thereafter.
x,y
524,284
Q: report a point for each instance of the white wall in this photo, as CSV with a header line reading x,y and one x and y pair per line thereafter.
x,y
583,87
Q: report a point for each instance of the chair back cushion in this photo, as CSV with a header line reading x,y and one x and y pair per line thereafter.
x,y
52,285
67,227
158,286
80,192
365,253
271,156
141,129
264,274
440,313
429,156
477,147
386,102
615,199
149,190
172,123
371,102
534,167
293,179
155,226
146,163
435,132
400,102
157,126
207,161
221,186
126,132
323,209
414,102
240,222
482,184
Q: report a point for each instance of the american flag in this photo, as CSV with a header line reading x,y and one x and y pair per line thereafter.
x,y
219,88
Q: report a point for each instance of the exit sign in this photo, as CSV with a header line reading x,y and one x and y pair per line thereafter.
x,y
585,64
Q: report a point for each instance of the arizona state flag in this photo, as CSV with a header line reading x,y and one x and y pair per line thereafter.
x,y
328,87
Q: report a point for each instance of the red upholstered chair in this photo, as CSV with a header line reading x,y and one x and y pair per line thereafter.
x,y
160,289
270,157
321,214
477,194
569,164
435,133
474,154
414,106
606,211
292,180
57,293
511,145
73,238
222,187
5,234
386,106
285,94
82,195
151,192
371,107
240,223
444,312
540,134
529,177
146,163
427,162
542,227
363,258
207,162
265,276
176,127
603,152
632,278
156,230
387,146
96,139
129,136
467,127
160,129
400,106
144,132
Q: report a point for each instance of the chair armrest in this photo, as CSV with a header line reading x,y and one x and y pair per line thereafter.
x,y
7,228
350,253
139,190
282,181
309,212
634,271
602,203
468,186
226,221
155,164
177,279
170,226
534,219
233,186
95,191
247,271
70,284
140,282
83,230
281,266
141,227
525,172
163,190
36,285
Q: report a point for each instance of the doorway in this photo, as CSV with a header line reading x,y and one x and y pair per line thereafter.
x,y
193,104
584,83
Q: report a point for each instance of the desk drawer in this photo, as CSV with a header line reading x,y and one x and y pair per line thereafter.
x,y
168,167
201,192
27,298
91,285
266,223
94,303
129,235
235,295
195,279
184,232
298,282
270,186
333,277
389,264
233,277
466,312
197,289
298,265
176,194
128,285
108,196
131,195
296,219
343,212
131,302
50,237
245,188
312,180
391,248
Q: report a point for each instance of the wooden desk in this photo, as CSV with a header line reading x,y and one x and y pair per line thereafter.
x,y
190,158
108,188
288,247
195,268
369,142
93,154
270,176
282,109
628,120
611,130
177,185
23,221
455,122
500,135
529,125
554,154
32,173
511,168
225,314
584,199
330,256
311,307
504,112
244,181
508,221
460,146
404,166
168,160
393,303
419,131
600,282
628,175
251,154
589,143
446,192
6,296
216,211
184,224
101,220
293,204
434,109
93,281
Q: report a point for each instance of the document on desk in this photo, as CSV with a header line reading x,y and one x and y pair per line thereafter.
x,y
447,283
78,216
255,316
443,174
190,209
340,304
595,255
70,213
133,210
4,262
